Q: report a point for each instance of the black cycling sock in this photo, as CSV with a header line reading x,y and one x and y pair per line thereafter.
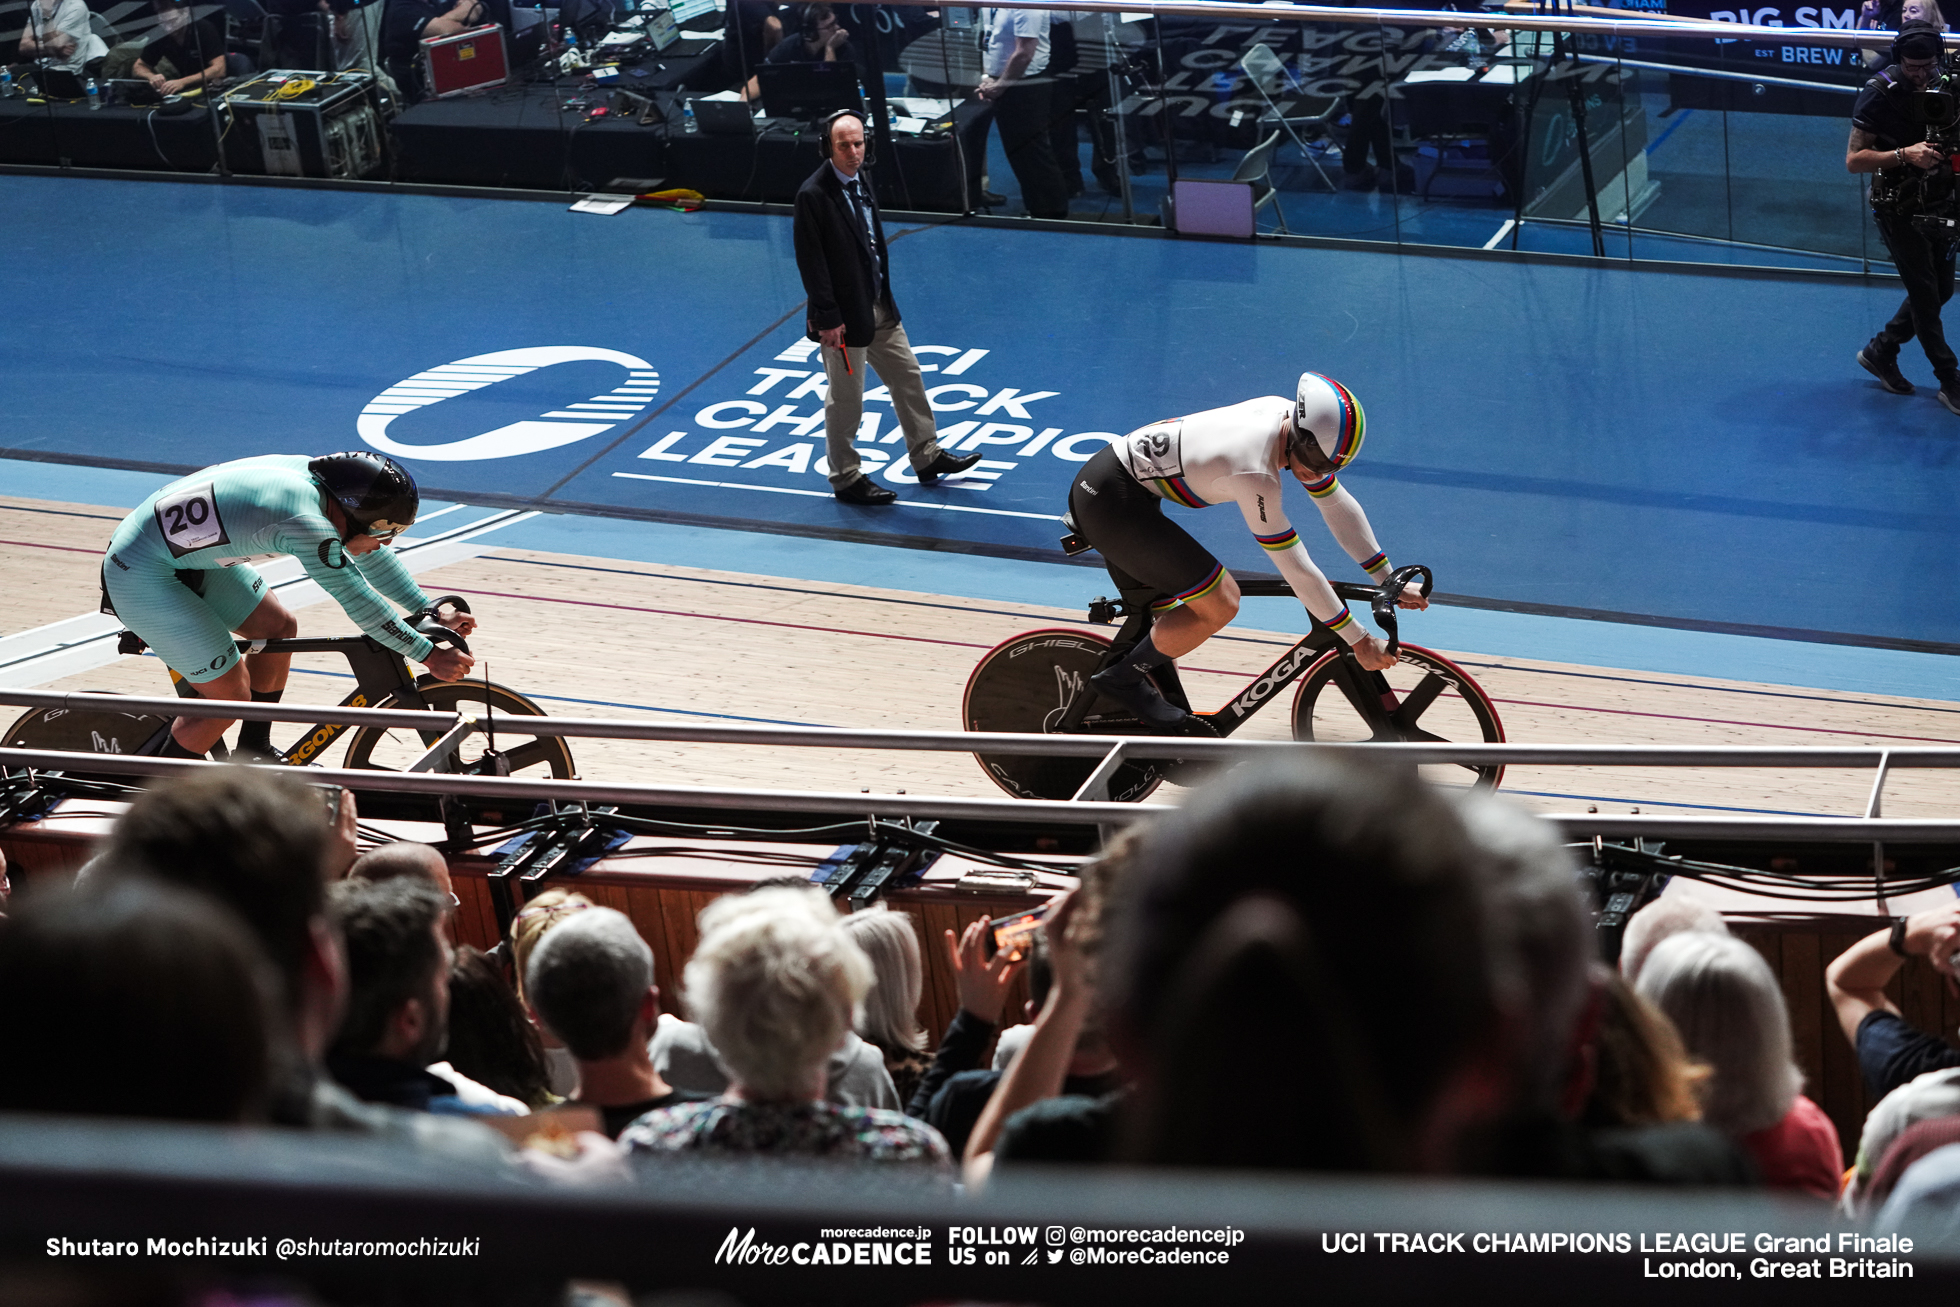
x,y
258,735
172,749
1142,659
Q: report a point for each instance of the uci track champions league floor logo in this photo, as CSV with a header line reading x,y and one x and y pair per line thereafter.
x,y
764,430
575,421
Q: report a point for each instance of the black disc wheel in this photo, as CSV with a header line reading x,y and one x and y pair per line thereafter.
x,y
83,730
395,749
1025,686
1430,699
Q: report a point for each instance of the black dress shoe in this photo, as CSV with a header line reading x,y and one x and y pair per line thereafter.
x,y
990,200
864,491
945,465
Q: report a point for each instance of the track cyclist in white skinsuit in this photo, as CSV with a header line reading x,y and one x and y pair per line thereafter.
x,y
1236,455
179,573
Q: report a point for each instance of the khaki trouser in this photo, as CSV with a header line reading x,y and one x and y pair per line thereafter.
x,y
890,353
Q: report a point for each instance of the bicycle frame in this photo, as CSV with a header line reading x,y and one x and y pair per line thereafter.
x,y
1369,692
379,672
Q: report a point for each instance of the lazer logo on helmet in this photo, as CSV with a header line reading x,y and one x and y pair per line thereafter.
x,y
573,418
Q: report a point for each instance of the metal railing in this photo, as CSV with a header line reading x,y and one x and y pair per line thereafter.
x,y
1089,807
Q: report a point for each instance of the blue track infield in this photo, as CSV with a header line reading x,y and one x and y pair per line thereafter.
x,y
1699,452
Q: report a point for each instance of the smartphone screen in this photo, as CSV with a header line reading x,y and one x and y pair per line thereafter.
x,y
1014,933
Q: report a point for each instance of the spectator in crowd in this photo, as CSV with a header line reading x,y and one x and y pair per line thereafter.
x,y
492,1042
407,858
543,913
6,886
57,38
1642,1074
1041,1130
774,981
855,1074
259,843
1890,1051
1915,1142
1726,1002
1668,915
1556,1002
591,983
186,53
1890,16
135,999
1014,56
1070,1082
889,1021
1931,1096
1236,964
982,983
397,1019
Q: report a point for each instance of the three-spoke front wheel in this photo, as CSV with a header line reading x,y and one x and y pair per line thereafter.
x,y
1429,699
395,748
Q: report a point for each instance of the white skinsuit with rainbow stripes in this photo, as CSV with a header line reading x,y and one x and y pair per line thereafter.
x,y
1233,454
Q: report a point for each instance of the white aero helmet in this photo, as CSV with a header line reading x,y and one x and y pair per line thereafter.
x,y
1328,412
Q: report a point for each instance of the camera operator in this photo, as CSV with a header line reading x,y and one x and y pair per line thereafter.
x,y
1888,137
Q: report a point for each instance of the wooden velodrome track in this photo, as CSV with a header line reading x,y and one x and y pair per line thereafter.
x,y
601,638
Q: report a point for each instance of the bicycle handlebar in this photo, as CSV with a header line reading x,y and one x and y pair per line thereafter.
x,y
1380,598
1383,598
429,626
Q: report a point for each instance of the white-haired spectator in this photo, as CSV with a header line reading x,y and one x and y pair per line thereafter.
x,y
855,1075
1931,1097
775,983
591,984
1664,918
889,1020
1723,998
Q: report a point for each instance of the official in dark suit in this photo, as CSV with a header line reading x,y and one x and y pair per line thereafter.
x,y
840,251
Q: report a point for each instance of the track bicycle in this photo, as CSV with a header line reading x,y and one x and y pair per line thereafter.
x,y
382,680
1038,683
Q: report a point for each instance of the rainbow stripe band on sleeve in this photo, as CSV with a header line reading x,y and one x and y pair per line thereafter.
x,y
1376,563
1324,487
1341,623
1280,543
1211,582
1174,489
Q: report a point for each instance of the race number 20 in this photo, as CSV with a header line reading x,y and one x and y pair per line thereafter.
x,y
188,519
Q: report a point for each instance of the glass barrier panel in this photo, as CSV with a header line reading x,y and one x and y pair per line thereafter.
x,y
1430,129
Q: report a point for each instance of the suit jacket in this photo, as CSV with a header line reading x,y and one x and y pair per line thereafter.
x,y
835,259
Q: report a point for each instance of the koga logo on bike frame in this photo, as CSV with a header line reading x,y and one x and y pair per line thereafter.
x,y
1279,675
575,420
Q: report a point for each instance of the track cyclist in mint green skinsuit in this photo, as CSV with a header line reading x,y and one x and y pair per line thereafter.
x,y
179,573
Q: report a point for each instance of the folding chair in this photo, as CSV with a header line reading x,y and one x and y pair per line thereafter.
x,y
1268,74
1256,168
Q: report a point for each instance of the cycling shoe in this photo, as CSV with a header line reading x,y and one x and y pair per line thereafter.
x,y
1159,715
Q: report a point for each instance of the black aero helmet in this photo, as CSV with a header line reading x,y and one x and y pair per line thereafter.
x,y
376,492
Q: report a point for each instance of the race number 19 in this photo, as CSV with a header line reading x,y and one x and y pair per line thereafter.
x,y
189,520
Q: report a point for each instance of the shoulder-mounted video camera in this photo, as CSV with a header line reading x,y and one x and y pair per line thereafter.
x,y
1925,195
